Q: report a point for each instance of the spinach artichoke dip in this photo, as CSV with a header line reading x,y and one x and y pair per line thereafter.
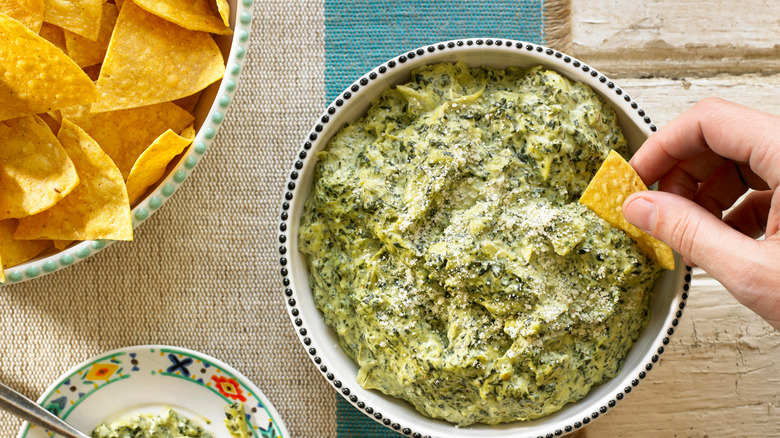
x,y
447,249
168,425
171,424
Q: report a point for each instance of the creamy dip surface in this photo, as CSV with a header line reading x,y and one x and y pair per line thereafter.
x,y
447,249
168,425
171,424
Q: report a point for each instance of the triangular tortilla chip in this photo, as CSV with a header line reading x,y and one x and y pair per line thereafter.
x,y
59,245
52,121
78,16
189,102
615,181
189,14
150,60
97,208
35,170
151,165
86,52
14,252
189,132
54,35
27,12
25,58
224,11
93,71
139,128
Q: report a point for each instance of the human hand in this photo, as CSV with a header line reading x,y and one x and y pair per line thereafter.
x,y
704,161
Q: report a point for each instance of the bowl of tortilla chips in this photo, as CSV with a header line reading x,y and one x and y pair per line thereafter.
x,y
105,109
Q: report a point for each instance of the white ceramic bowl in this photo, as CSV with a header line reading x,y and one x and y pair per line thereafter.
x,y
209,115
320,341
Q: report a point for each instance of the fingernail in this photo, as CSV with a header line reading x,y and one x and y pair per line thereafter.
x,y
642,213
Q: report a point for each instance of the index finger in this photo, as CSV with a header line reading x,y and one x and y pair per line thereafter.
x,y
733,131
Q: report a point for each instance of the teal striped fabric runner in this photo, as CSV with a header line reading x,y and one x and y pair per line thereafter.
x,y
360,34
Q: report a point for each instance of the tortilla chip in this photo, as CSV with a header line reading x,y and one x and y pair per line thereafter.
x,y
189,132
138,127
27,12
51,122
615,181
151,165
35,170
93,71
86,52
119,4
59,245
224,11
189,14
97,208
14,252
151,60
54,35
78,16
25,58
190,102
56,115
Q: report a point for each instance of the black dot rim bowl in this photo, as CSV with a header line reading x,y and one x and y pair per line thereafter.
x,y
320,342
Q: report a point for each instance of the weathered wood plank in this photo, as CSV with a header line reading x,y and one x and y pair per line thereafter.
x,y
672,38
663,99
719,376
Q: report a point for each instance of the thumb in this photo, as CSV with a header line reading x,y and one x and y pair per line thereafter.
x,y
746,267
691,230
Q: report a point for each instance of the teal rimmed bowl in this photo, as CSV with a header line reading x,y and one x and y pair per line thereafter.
x,y
209,115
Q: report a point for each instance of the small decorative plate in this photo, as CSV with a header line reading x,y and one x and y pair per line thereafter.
x,y
150,379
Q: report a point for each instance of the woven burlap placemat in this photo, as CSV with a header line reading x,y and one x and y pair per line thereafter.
x,y
202,272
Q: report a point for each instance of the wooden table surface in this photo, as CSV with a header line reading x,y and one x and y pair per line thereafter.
x,y
720,377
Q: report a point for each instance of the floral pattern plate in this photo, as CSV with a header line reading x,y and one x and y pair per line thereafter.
x,y
151,379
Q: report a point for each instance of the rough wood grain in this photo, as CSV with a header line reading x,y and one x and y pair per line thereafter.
x,y
720,376
633,38
663,99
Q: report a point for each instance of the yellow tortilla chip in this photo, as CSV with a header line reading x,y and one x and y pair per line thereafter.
x,y
150,60
35,170
119,3
125,134
615,181
97,208
152,163
26,58
54,35
189,132
27,12
224,11
51,121
78,16
189,14
56,115
59,245
86,52
14,252
93,71
190,102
